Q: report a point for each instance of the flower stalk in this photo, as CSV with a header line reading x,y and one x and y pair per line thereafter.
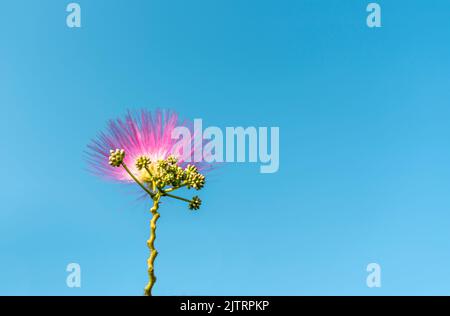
x,y
151,246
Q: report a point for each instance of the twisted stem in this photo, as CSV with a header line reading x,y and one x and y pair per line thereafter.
x,y
151,246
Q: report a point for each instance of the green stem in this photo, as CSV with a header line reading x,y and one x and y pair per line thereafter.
x,y
164,193
151,246
152,195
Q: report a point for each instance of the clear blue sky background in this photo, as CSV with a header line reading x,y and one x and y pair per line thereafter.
x,y
364,122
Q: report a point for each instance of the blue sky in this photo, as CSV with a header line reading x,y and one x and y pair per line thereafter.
x,y
364,146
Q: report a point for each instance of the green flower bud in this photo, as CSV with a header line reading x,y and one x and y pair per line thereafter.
x,y
191,169
195,203
116,157
142,162
194,179
172,160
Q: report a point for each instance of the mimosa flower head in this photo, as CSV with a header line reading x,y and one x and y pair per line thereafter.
x,y
140,148
140,135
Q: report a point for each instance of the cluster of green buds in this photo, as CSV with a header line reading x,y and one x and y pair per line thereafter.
x,y
195,203
142,162
116,157
168,173
193,178
161,177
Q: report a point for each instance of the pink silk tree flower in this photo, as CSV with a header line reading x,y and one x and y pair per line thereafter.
x,y
145,148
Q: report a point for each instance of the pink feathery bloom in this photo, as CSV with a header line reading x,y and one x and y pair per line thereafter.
x,y
141,134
